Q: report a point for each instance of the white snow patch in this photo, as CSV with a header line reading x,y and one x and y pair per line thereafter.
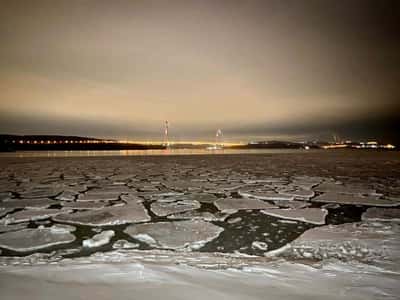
x,y
99,239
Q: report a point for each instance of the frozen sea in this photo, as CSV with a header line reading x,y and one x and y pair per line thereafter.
x,y
173,224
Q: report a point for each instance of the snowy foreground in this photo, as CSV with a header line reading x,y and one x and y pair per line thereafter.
x,y
363,264
278,280
297,226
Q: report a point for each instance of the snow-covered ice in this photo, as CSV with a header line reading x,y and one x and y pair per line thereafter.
x,y
259,245
176,235
99,239
369,242
34,238
273,281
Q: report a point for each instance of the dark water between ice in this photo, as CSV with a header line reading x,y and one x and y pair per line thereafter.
x,y
252,225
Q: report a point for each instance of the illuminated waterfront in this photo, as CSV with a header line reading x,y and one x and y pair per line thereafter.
x,y
165,152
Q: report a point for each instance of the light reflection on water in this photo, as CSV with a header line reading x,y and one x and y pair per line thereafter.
x,y
74,153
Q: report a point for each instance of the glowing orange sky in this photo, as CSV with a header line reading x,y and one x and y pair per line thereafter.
x,y
199,64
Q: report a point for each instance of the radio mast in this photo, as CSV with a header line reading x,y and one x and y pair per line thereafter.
x,y
166,127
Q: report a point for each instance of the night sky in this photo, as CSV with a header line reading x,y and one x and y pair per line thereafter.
x,y
256,69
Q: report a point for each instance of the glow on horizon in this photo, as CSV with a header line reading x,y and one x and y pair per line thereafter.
x,y
190,142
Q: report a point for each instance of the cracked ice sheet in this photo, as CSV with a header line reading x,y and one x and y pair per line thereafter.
x,y
231,204
133,212
332,197
308,215
175,235
36,238
283,281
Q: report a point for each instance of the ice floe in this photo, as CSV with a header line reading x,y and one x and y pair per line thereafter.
x,y
4,211
124,244
43,192
267,195
28,203
199,215
344,189
34,238
175,235
364,241
84,204
32,215
201,197
99,239
232,204
14,227
259,245
308,215
145,238
5,196
381,214
234,220
295,204
132,212
98,195
67,196
167,208
301,194
372,200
